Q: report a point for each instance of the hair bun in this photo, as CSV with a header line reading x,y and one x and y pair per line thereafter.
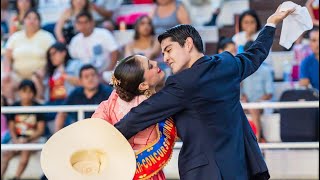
x,y
124,95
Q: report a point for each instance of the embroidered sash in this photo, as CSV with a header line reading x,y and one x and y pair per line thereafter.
x,y
152,158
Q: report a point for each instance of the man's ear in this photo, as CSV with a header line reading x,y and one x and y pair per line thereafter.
x,y
143,86
188,43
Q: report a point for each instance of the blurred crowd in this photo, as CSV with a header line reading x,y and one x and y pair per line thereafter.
x,y
69,62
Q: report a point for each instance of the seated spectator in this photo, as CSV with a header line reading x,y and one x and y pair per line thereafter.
x,y
92,45
249,29
103,10
145,42
313,8
258,87
91,92
226,44
169,13
25,56
17,20
301,50
65,27
62,72
62,75
309,69
24,128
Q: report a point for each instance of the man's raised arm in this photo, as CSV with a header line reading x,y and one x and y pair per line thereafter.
x,y
250,60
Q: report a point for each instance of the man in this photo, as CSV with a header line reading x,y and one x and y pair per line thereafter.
x,y
203,98
309,69
92,45
91,92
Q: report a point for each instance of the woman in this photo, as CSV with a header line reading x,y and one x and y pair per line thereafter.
x,y
144,42
64,29
62,75
22,7
25,56
169,13
249,28
135,79
62,72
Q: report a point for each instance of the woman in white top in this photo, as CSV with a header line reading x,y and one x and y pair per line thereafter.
x,y
25,56
145,42
249,28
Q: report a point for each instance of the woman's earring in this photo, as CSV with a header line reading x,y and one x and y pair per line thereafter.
x,y
147,93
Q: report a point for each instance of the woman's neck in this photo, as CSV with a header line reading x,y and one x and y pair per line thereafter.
x,y
144,39
30,33
249,35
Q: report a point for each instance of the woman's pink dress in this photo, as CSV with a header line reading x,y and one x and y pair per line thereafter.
x,y
113,109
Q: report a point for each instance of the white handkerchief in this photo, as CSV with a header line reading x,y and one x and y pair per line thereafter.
x,y
295,24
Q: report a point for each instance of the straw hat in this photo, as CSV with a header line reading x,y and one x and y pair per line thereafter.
x,y
90,149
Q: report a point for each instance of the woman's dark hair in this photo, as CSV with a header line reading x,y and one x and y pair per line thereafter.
x,y
223,43
137,24
33,5
33,11
85,8
180,33
130,73
252,13
60,47
26,83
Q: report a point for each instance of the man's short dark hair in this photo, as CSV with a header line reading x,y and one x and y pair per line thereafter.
x,y
223,43
86,14
180,33
26,83
86,67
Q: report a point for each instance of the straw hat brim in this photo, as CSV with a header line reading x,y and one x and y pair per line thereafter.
x,y
86,135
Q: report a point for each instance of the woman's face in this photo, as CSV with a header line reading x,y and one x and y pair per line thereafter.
x,y
32,22
249,24
78,4
23,5
145,26
153,75
57,57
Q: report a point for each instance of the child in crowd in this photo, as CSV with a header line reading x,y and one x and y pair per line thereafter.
x,y
23,128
